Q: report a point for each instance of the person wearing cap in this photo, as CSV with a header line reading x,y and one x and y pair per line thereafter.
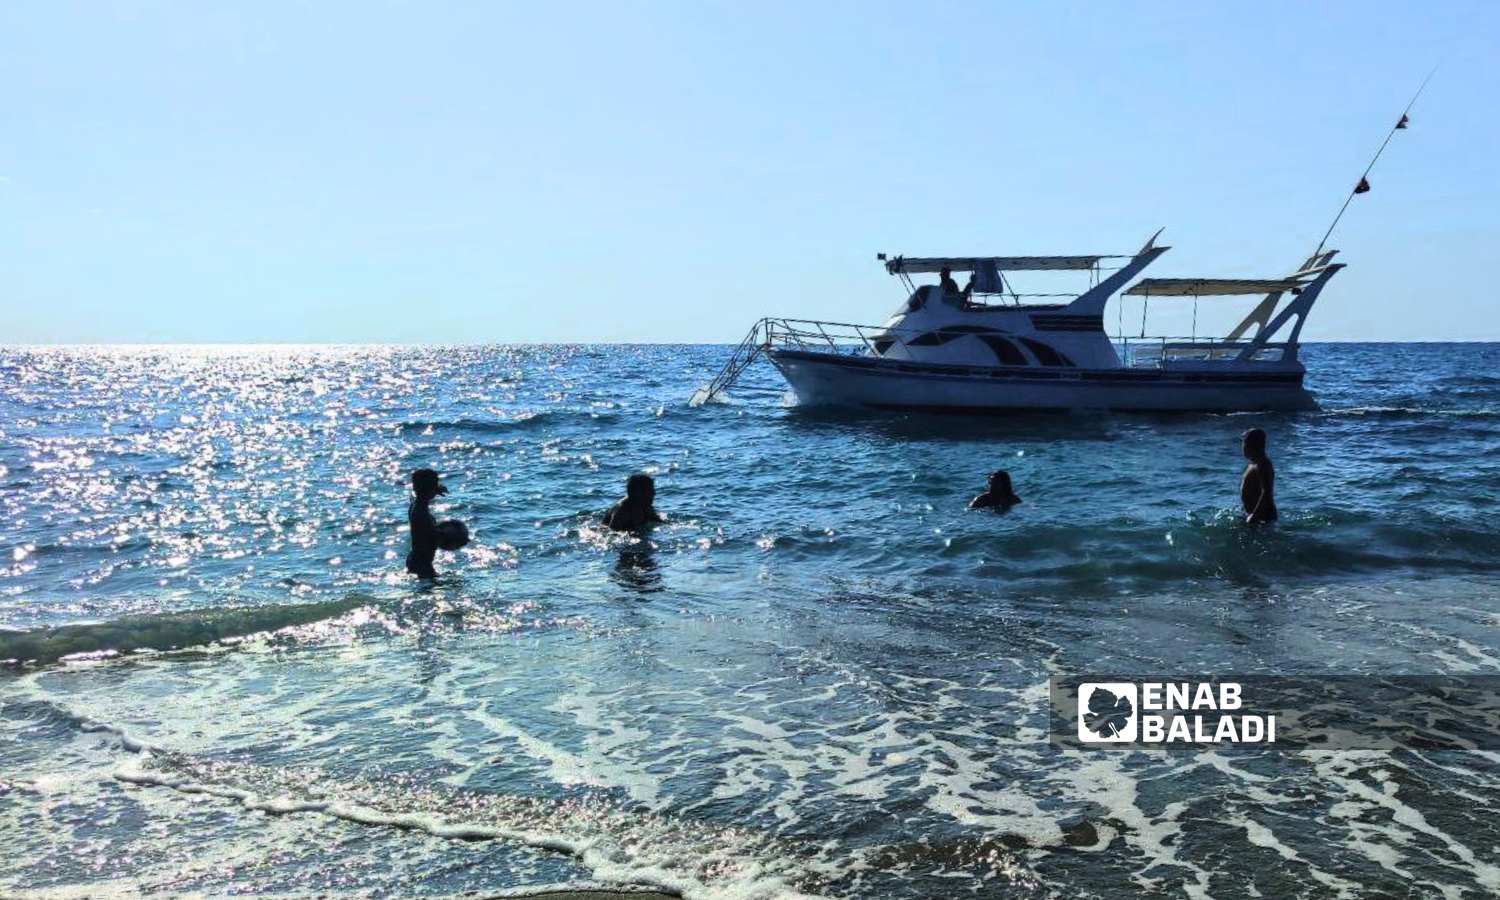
x,y
424,537
999,495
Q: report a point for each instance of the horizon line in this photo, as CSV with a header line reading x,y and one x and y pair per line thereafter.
x,y
62,345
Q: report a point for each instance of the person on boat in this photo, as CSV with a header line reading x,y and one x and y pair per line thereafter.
x,y
946,282
1258,485
999,495
637,508
424,529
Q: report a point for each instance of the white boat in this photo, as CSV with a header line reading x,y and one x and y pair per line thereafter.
x,y
986,349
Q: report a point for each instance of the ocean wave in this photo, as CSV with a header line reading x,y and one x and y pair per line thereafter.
x,y
445,608
678,856
1409,412
1470,380
517,421
165,631
619,842
1323,543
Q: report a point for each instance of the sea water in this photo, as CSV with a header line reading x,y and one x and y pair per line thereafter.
x,y
822,676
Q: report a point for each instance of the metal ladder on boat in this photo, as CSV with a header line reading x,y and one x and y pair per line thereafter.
x,y
746,353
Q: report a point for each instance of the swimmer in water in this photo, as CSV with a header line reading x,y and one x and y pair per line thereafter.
x,y
637,507
1258,485
999,495
424,535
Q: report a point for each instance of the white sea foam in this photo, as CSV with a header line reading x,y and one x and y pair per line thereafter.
x,y
1352,772
833,766
616,847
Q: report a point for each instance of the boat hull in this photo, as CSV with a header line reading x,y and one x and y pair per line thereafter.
x,y
830,379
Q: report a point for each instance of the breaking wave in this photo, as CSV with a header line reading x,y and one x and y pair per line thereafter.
x,y
166,631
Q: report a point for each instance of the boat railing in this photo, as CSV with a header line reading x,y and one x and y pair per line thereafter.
x,y
1010,300
811,334
1157,351
850,339
787,334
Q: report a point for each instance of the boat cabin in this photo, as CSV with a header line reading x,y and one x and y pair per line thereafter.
x,y
988,322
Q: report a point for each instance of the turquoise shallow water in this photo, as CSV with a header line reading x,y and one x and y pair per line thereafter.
x,y
821,676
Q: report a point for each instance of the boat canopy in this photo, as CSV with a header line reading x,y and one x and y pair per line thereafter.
x,y
1211,287
907,265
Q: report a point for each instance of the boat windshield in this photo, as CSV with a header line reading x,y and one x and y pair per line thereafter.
x,y
928,294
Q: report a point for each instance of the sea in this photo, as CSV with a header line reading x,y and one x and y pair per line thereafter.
x,y
821,677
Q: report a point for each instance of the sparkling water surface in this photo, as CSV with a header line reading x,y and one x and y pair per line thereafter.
x,y
822,676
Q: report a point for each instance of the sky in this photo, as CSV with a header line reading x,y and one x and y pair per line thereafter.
x,y
551,172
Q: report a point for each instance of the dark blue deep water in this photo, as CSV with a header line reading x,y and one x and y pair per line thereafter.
x,y
821,676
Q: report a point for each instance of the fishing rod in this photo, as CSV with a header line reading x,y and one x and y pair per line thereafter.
x,y
1363,184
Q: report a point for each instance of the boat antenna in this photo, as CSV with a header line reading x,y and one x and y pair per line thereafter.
x,y
1363,185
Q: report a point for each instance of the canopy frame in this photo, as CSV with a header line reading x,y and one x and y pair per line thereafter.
x,y
913,265
1210,287
1230,287
904,267
1304,285
1092,300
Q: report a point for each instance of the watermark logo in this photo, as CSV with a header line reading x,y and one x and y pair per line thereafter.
x,y
1156,712
1256,713
1107,712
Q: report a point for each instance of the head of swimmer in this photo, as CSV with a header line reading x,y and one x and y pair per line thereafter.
x,y
640,489
1253,444
426,485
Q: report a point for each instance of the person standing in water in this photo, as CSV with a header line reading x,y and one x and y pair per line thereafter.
x,y
1258,485
637,507
424,537
998,495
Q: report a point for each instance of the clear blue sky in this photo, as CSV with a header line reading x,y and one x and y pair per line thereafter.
x,y
671,171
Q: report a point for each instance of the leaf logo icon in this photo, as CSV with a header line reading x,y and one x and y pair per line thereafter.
x,y
1106,712
1108,715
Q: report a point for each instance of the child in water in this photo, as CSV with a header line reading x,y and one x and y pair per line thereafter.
x,y
998,495
637,507
1258,486
424,532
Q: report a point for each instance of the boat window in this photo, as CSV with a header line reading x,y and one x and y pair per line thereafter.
x,y
931,339
1045,354
1005,351
918,298
883,345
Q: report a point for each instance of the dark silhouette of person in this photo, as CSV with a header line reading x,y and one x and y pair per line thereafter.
x,y
1258,484
424,534
637,507
998,495
946,282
